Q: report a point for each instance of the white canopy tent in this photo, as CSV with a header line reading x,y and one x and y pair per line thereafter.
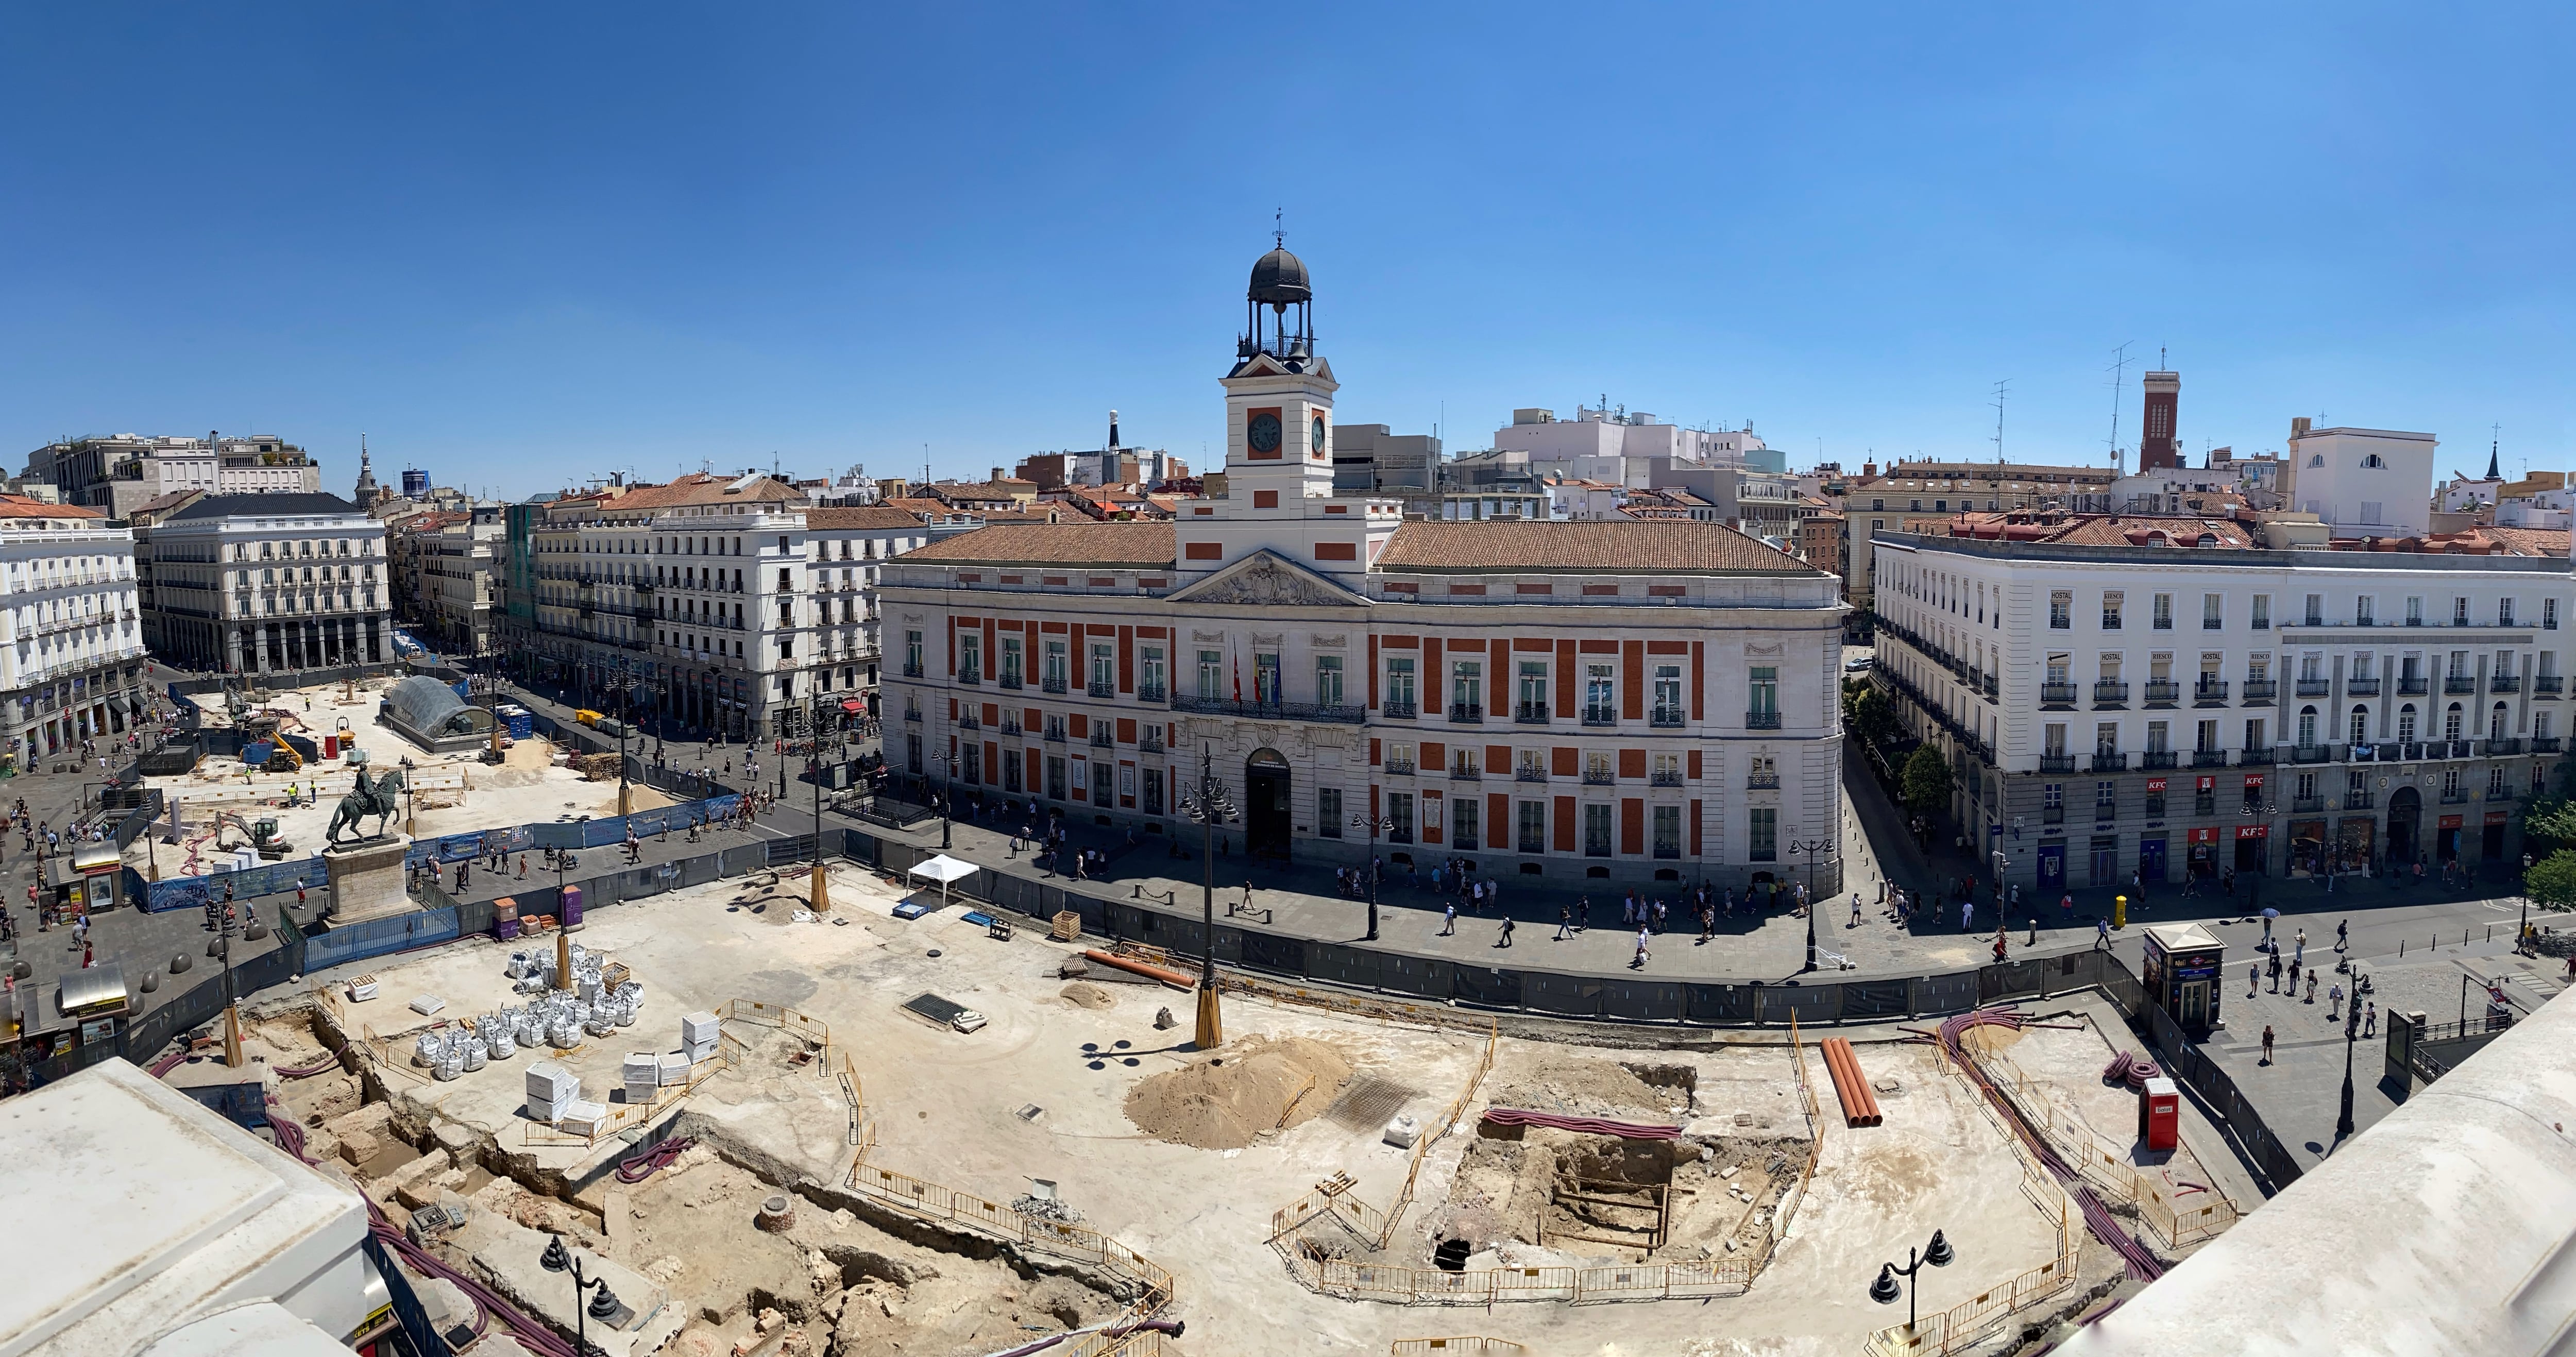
x,y
944,870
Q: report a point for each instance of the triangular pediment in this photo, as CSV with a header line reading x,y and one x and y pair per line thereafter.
x,y
1260,365
1267,579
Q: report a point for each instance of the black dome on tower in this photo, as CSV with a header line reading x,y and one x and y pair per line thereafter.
x,y
1279,278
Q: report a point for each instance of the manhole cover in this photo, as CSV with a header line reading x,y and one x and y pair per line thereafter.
x,y
1369,1103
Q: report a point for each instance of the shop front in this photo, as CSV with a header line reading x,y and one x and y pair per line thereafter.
x,y
2253,845
2307,847
2151,859
2354,835
2446,838
2202,846
2491,842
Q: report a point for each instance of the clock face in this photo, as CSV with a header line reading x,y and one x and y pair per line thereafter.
x,y
1261,433
1317,447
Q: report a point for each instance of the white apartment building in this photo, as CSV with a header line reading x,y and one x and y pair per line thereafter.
x,y
2162,695
116,473
2364,482
848,547
74,650
1625,447
1639,701
267,583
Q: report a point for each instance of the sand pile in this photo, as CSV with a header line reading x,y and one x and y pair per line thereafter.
x,y
1250,1087
1084,994
1589,1088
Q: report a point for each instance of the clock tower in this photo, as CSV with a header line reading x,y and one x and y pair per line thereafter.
x,y
1279,394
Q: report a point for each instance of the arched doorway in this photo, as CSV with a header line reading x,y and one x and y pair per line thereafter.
x,y
1266,807
2405,812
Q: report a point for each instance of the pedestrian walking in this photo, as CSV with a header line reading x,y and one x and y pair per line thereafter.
x,y
1643,953
2101,932
2066,908
1506,939
2312,987
1564,922
1855,913
2253,978
2370,1020
1449,919
1967,916
2334,1003
2267,1043
2276,972
2343,934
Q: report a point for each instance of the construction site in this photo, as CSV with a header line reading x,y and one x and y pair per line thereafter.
x,y
303,751
783,1126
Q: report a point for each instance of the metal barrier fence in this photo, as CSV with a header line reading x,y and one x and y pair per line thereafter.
x,y
1418,1347
929,1200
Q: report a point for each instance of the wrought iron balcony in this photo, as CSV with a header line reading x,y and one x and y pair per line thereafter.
x,y
2162,692
2057,763
1671,779
1600,716
2360,800
1762,781
2504,748
1462,773
1665,718
1149,742
1396,709
2547,685
1467,713
1100,737
2455,798
1531,714
1101,688
2310,753
1052,684
2504,683
2110,762
1152,693
2306,805
1273,711
2315,687
2459,683
1399,768
2154,759
912,671
2209,692
2412,685
1529,775
970,677
2361,687
1762,720
2057,694
2260,691
2110,693
1598,779
2209,758
1054,735
2545,744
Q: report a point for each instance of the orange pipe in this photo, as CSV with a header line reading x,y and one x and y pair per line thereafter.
x,y
1172,978
1860,1106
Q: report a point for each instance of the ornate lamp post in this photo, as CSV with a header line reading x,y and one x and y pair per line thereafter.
x,y
1886,1289
1375,826
603,1306
1211,803
1812,848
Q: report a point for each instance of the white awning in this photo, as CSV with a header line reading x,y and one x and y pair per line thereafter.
x,y
943,869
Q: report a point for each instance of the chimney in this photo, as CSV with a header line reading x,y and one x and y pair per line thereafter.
x,y
2298,428
997,473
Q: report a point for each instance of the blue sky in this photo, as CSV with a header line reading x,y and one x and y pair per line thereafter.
x,y
523,245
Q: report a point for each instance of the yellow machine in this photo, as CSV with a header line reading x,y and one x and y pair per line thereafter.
x,y
586,716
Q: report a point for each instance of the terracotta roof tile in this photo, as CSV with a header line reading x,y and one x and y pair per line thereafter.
x,y
861,517
1147,544
1664,546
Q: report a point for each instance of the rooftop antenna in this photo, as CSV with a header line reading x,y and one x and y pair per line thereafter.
x,y
1279,227
2000,384
2496,432
2119,373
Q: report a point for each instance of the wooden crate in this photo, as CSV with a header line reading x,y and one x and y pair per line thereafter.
x,y
1068,926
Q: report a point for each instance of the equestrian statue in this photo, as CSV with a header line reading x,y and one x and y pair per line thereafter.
x,y
365,799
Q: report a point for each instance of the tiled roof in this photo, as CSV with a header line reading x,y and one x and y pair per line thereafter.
x,y
698,488
2132,530
1662,546
1039,543
2530,541
161,504
223,506
27,506
861,517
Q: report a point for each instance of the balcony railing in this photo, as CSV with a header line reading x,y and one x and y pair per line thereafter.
x,y
2315,687
2260,690
1396,709
2210,692
1665,718
2057,694
1762,781
1598,779
912,671
2154,759
2360,800
1290,711
1399,768
2455,798
1011,727
1052,685
2106,761
1101,688
2057,763
2162,692
1100,737
2545,744
1668,779
2459,683
2504,748
2412,685
1762,720
1529,775
1462,773
2308,753
1467,713
2110,693
1152,692
1531,714
2209,758
970,677
2547,685
2361,687
2306,805
1053,735
1600,716
2504,683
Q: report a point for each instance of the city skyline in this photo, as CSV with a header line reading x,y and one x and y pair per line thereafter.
x,y
513,242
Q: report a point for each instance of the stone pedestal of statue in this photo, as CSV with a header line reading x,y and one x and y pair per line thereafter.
x,y
367,880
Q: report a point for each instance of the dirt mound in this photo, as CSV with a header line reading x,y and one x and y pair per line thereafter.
x,y
1989,1037
1222,1102
1591,1088
1085,995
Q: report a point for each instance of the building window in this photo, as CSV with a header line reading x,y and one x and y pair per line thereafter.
x,y
1399,687
1462,823
2061,610
1399,817
2111,602
1599,707
1467,691
1763,834
1762,693
2164,612
2105,797
2504,612
1265,679
1056,667
2262,612
2052,803
1328,812
1596,830
970,658
1328,680
1668,832
2459,612
1149,679
1532,826
1531,702
2156,799
1211,675
912,654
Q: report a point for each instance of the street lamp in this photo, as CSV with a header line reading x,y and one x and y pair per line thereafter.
x,y
2522,930
1374,824
1211,804
604,1307
1885,1289
2351,1031
621,681
1812,848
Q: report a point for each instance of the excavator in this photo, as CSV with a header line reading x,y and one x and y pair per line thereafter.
x,y
261,833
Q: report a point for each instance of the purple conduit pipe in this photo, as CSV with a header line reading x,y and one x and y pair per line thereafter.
x,y
640,1166
1169,1326
2141,1261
